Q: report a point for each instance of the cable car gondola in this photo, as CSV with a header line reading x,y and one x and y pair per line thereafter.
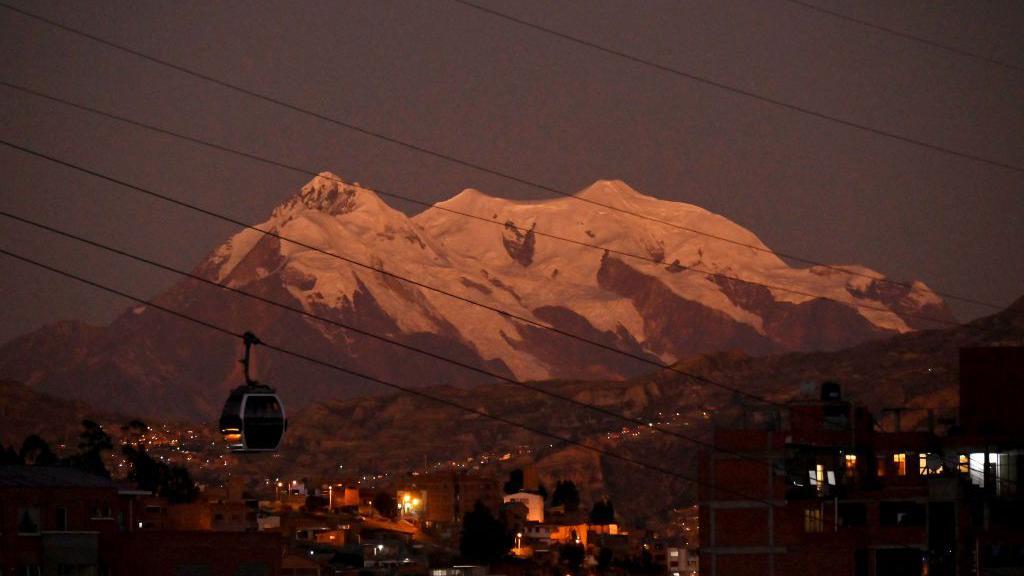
x,y
253,418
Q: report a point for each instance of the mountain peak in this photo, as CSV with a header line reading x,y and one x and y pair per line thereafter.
x,y
603,190
329,194
469,194
469,200
324,179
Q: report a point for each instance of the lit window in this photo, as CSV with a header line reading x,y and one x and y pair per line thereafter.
x,y
813,520
929,464
851,464
977,469
900,460
817,477
965,465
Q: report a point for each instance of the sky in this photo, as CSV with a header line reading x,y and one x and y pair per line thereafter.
x,y
447,77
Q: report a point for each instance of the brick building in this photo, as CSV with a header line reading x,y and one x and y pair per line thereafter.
x,y
60,520
450,495
57,520
820,484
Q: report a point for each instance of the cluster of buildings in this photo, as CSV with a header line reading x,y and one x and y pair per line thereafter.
x,y
59,520
822,483
439,502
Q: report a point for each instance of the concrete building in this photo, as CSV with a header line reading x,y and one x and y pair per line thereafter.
x,y
58,520
534,504
819,484
449,495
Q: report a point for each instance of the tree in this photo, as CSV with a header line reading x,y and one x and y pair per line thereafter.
x,y
603,512
573,555
515,482
9,456
134,431
36,452
385,504
178,488
484,538
92,442
144,470
171,482
566,494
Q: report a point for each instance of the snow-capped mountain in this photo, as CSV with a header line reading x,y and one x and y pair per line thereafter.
x,y
658,291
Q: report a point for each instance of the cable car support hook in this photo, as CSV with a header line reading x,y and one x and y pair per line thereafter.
x,y
250,340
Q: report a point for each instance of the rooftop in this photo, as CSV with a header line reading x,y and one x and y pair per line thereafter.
x,y
53,477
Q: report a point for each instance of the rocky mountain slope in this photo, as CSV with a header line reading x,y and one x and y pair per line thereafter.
x,y
399,433
392,435
675,303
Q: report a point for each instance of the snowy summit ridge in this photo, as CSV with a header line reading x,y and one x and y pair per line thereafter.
x,y
661,292
679,296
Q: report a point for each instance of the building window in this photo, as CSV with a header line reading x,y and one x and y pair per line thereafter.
x,y
902,514
964,465
851,464
929,464
817,478
28,520
101,511
976,467
813,520
853,514
900,463
61,519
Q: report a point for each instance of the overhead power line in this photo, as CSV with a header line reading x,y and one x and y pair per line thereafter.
x,y
506,313
490,221
455,160
906,36
380,270
369,334
744,92
411,391
402,388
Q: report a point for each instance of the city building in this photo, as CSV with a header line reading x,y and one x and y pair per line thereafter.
x,y
534,504
449,495
411,503
821,483
59,520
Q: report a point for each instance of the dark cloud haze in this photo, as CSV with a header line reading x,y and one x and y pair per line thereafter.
x,y
454,79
